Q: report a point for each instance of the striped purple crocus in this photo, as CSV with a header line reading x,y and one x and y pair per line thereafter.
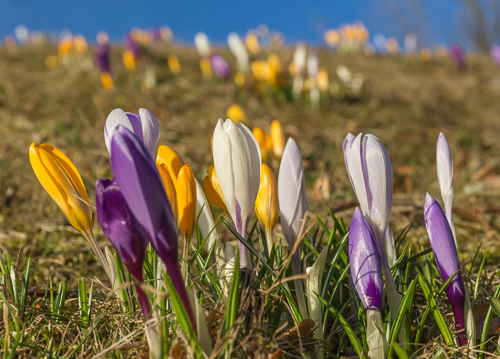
x,y
102,57
366,267
446,256
143,191
123,231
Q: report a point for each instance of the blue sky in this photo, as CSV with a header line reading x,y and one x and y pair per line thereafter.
x,y
297,20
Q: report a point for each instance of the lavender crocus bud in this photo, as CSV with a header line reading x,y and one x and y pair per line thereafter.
x,y
495,54
102,57
143,191
458,55
220,66
366,267
132,45
292,204
445,253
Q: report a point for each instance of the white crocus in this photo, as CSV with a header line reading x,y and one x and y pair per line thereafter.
x,y
292,203
205,218
370,170
237,161
202,44
315,276
444,164
239,50
299,63
144,125
312,72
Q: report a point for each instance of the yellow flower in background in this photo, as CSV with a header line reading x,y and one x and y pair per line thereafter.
x,y
323,80
129,60
275,69
171,160
206,68
265,142
185,189
278,139
107,81
169,187
332,37
212,189
236,113
60,178
260,70
173,64
425,54
392,46
239,79
65,46
266,204
80,44
252,43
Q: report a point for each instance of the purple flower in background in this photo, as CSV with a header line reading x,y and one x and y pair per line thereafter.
x,y
458,55
220,66
132,45
495,53
141,186
445,253
366,267
102,58
123,231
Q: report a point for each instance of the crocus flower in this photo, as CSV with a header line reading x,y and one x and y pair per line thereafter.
x,y
299,63
102,54
236,114
265,142
185,187
266,204
445,253
444,164
206,67
174,64
237,160
143,124
212,189
132,45
171,159
60,178
457,54
312,71
370,170
220,66
141,186
123,231
205,219
202,44
278,139
366,267
238,49
292,203
252,43
495,53
169,186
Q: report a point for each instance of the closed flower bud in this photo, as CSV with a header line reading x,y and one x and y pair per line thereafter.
x,y
266,205
171,159
186,200
237,115
278,139
212,189
169,188
265,142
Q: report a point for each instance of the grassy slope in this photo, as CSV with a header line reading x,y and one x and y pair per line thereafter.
x,y
405,102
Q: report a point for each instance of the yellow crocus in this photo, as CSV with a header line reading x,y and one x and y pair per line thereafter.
x,y
261,70
107,81
80,44
206,67
171,159
169,185
265,142
322,79
212,189
185,188
63,183
275,69
278,139
266,204
129,60
235,113
252,44
60,178
173,64
239,79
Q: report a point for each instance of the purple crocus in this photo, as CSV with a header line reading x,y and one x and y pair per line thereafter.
x,y
445,253
458,55
123,231
366,267
141,186
132,45
220,66
495,53
102,57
